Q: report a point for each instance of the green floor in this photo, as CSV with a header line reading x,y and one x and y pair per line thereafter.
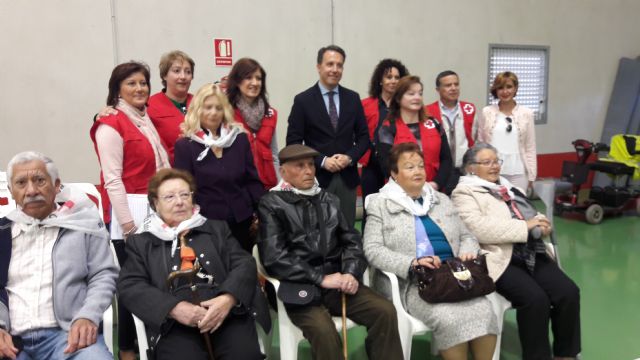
x,y
604,260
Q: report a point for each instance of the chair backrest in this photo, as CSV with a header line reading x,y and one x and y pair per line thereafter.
x,y
6,200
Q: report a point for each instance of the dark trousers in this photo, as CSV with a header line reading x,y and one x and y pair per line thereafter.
x,y
240,231
548,294
365,308
347,197
372,180
235,339
126,327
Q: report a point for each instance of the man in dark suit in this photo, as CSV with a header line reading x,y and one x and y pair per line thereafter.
x,y
329,118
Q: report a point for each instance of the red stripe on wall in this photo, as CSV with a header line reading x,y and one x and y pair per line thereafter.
x,y
550,165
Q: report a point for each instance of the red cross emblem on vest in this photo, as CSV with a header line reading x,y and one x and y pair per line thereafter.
x,y
468,109
429,124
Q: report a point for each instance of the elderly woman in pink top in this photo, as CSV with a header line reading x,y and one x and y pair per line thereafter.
x,y
509,127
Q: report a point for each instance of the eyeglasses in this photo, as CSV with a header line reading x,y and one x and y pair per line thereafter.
x,y
184,196
509,127
488,163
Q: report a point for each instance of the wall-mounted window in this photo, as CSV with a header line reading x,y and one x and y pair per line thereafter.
x,y
531,65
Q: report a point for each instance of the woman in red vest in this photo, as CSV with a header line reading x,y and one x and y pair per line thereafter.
x,y
407,122
382,86
247,92
130,152
167,107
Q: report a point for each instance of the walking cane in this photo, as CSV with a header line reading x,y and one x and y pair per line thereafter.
x,y
344,325
195,299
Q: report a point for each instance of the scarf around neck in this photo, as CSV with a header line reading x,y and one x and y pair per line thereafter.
x,y
156,226
77,212
144,124
394,192
475,180
228,135
285,186
252,113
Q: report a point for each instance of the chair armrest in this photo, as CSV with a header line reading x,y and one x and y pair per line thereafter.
x,y
395,291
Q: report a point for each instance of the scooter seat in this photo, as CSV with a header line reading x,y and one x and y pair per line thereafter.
x,y
610,167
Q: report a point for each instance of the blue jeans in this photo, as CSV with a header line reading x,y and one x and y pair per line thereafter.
x,y
50,343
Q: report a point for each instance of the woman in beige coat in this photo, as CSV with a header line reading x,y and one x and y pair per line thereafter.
x,y
511,230
398,218
510,128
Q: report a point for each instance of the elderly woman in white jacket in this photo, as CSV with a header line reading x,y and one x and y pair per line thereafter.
x,y
510,229
398,218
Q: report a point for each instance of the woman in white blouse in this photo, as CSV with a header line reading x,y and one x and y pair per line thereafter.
x,y
509,127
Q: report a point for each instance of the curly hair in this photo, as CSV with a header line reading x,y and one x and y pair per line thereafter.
x,y
383,67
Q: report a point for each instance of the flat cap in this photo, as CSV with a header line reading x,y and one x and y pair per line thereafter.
x,y
295,152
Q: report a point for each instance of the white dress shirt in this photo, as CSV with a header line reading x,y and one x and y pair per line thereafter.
x,y
30,278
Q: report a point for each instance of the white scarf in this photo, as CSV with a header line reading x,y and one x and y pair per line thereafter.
x,y
144,124
155,225
285,186
77,212
396,193
227,137
475,180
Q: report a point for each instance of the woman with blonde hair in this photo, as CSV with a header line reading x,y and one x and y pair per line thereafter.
x,y
215,149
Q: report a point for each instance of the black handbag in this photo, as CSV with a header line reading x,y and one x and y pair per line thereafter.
x,y
292,293
454,281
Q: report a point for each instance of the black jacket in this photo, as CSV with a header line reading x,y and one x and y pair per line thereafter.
x,y
309,123
142,284
298,245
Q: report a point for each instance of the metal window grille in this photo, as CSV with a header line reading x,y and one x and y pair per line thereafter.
x,y
531,65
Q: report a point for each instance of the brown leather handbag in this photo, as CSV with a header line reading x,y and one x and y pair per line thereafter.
x,y
454,281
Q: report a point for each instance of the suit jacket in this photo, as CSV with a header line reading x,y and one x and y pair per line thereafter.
x,y
309,123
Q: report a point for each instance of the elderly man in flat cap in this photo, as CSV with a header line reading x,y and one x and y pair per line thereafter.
x,y
307,244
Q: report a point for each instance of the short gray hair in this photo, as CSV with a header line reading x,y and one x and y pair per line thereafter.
x,y
469,156
28,156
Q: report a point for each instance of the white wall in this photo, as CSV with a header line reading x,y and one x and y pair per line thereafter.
x,y
57,55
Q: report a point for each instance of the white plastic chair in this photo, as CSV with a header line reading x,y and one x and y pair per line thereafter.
x,y
108,316
6,200
142,337
408,326
291,335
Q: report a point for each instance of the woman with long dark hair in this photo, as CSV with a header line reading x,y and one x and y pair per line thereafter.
x,y
247,92
382,86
